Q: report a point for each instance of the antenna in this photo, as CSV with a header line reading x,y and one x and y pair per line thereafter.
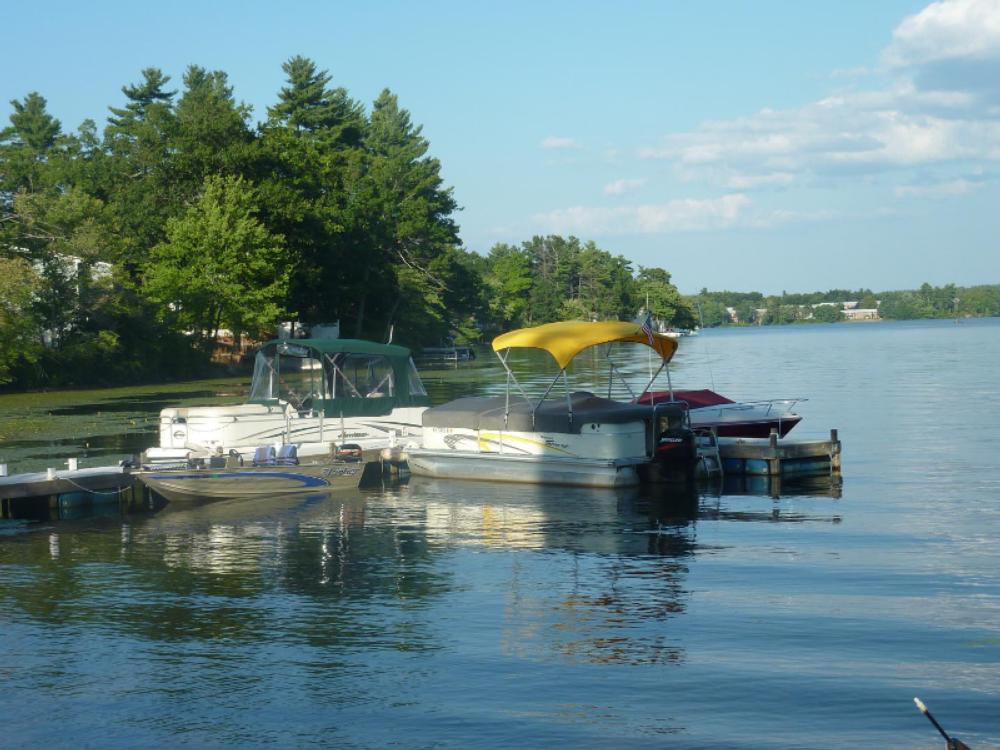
x,y
708,356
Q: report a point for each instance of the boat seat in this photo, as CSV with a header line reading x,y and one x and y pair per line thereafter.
x,y
265,455
487,413
288,455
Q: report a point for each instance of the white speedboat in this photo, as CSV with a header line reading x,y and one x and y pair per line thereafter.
x,y
314,393
581,439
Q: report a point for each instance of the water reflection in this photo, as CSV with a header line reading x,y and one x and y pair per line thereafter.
x,y
581,576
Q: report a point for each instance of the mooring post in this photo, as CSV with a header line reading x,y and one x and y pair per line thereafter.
x,y
773,462
834,452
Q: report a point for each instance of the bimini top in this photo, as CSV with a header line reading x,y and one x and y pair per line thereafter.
x,y
566,339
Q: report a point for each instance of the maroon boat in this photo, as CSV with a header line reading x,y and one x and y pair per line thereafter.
x,y
729,418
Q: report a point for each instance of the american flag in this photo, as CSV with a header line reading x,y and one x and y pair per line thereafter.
x,y
647,328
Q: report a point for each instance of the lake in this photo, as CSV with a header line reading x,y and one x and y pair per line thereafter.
x,y
456,615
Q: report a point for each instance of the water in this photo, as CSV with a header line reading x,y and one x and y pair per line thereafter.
x,y
455,615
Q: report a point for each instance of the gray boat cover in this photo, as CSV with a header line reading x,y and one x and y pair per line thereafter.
x,y
487,413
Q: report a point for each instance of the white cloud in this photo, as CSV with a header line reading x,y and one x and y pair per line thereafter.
x,y
941,107
554,142
748,181
938,190
674,216
618,187
771,147
947,29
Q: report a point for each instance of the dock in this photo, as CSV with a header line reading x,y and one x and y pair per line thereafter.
x,y
770,457
60,494
57,494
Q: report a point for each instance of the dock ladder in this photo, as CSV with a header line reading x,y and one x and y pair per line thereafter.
x,y
707,442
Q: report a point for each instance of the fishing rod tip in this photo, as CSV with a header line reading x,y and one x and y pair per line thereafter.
x,y
920,705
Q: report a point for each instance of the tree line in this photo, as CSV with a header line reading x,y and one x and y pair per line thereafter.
x,y
948,301
125,249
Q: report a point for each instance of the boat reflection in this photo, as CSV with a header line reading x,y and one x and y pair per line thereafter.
x,y
573,573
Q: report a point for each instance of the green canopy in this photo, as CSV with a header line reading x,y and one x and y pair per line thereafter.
x,y
337,377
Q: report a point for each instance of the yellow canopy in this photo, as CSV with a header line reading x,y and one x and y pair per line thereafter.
x,y
567,339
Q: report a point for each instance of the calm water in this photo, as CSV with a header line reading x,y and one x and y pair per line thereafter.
x,y
459,615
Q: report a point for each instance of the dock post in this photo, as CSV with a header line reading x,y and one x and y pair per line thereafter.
x,y
773,462
834,452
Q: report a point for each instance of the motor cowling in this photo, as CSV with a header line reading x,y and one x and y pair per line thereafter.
x,y
674,442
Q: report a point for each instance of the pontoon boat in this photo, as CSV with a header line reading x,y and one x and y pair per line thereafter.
x,y
581,439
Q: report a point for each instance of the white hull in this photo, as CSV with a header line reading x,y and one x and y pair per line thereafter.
x,y
600,455
748,419
217,430
531,469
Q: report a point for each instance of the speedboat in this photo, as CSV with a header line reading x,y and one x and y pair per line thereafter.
x,y
272,472
581,439
314,393
709,410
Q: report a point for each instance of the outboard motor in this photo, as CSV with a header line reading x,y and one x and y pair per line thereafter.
x,y
675,452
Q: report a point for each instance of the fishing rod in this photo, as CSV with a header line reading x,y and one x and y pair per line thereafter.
x,y
953,744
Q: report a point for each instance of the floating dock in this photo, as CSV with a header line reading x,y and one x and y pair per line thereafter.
x,y
60,494
769,457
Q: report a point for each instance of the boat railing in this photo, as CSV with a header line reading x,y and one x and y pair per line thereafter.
x,y
766,407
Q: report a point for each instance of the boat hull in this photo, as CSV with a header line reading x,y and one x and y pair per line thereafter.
x,y
530,469
218,430
192,485
750,429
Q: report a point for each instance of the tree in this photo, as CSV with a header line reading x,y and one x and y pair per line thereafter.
x,y
828,313
555,267
309,165
220,267
140,183
19,332
306,104
868,301
508,281
211,135
665,301
63,234
407,209
25,144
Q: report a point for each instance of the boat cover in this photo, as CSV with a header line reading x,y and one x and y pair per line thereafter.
x,y
694,399
566,339
487,413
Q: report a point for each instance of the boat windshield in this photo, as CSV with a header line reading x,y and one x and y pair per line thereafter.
x,y
293,376
351,375
336,381
416,384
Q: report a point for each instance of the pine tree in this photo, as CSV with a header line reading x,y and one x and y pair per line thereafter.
x,y
307,105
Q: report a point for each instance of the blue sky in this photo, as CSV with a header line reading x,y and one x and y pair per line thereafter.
x,y
747,146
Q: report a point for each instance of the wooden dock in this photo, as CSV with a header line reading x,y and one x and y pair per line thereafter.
x,y
770,457
57,494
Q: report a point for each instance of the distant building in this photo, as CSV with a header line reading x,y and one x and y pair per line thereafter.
x,y
850,310
861,313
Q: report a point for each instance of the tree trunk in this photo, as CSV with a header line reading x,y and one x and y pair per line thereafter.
x,y
392,315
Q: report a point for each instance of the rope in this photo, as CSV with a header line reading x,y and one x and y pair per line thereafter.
x,y
118,491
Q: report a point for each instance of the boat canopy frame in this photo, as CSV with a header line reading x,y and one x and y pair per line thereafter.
x,y
398,383
565,340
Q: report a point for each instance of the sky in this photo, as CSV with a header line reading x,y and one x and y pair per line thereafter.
x,y
749,146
